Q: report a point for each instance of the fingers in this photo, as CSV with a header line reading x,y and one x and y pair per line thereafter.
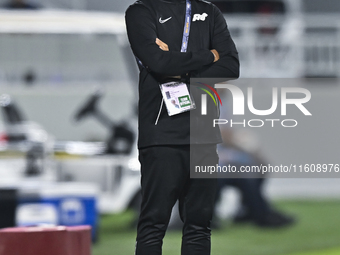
x,y
216,55
163,46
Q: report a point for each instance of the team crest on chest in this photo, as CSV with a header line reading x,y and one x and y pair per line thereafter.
x,y
199,17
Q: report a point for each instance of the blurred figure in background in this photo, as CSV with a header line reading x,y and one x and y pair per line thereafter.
x,y
254,207
21,5
240,148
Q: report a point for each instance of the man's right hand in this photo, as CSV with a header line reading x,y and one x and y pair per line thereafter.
x,y
216,55
163,46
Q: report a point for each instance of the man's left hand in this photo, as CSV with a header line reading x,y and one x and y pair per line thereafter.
x,y
162,45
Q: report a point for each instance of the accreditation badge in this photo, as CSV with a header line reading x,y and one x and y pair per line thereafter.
x,y
177,97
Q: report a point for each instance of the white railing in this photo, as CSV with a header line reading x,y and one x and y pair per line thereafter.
x,y
61,47
292,51
322,53
75,46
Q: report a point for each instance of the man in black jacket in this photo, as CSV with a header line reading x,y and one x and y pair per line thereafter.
x,y
156,34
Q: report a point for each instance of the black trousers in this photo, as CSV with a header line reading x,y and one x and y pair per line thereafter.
x,y
166,179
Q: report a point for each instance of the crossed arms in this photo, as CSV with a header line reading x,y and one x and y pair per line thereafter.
x,y
220,61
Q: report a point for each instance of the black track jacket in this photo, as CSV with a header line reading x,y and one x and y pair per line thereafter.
x,y
147,20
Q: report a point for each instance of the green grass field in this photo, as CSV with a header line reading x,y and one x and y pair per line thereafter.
x,y
334,251
317,232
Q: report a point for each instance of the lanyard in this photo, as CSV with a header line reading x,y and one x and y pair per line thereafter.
x,y
187,24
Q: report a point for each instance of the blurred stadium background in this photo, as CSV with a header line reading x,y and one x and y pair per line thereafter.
x,y
69,61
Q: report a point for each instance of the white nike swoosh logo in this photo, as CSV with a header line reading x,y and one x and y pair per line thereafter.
x,y
163,20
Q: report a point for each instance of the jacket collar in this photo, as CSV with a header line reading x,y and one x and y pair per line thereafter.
x,y
173,1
